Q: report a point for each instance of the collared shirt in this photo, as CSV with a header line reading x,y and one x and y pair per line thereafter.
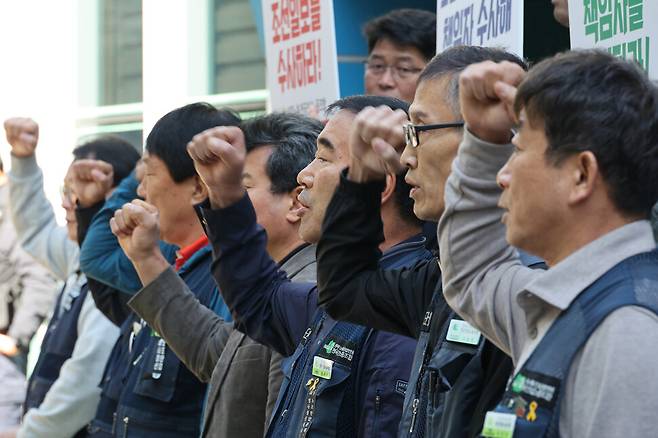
x,y
611,386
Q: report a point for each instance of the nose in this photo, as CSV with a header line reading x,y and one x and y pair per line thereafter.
x,y
408,157
141,188
504,177
305,176
386,80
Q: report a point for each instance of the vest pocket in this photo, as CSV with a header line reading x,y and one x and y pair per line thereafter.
x,y
158,372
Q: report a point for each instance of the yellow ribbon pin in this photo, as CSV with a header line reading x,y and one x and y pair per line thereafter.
x,y
532,415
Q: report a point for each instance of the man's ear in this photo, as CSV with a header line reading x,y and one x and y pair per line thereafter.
x,y
584,176
389,189
199,190
294,205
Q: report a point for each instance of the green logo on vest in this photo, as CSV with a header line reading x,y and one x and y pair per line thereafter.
x,y
329,347
518,383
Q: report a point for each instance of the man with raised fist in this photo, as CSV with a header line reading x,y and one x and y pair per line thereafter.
x,y
63,388
340,379
573,183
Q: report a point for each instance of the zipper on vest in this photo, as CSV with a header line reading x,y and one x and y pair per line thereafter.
x,y
125,427
414,412
114,423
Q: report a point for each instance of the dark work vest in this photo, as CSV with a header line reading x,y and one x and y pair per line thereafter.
x,y
310,404
59,341
447,379
531,403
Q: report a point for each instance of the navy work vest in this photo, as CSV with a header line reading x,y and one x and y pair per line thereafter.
x,y
312,404
533,396
158,395
447,375
59,341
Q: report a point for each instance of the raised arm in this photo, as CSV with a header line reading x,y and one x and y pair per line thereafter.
x,y
32,214
266,305
482,273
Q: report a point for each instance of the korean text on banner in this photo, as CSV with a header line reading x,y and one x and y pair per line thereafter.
x,y
626,28
489,23
302,68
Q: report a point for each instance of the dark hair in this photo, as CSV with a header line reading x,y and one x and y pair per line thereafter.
x,y
404,27
169,137
588,100
355,104
293,138
113,150
454,60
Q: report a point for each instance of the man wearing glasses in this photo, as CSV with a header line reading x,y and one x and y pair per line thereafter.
x,y
456,376
400,44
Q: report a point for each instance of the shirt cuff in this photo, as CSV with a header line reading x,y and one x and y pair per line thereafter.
x,y
22,167
480,159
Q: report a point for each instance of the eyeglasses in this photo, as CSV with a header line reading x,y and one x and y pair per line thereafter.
x,y
377,68
411,131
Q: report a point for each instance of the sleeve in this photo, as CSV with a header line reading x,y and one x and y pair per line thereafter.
x,y
482,273
351,284
71,402
194,332
112,303
265,304
34,220
101,257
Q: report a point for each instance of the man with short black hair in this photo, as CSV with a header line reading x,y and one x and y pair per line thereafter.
x,y
244,376
575,186
146,390
400,43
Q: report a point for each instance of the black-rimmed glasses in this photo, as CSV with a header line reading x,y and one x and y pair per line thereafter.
x,y
411,131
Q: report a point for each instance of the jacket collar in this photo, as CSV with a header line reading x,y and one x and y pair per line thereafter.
x,y
562,283
298,260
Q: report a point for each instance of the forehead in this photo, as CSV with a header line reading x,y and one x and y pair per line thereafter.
x,y
336,132
256,160
431,101
385,49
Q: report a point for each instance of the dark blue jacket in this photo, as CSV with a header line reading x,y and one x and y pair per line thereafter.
x,y
274,311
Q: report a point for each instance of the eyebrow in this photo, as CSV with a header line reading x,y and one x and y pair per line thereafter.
x,y
323,141
417,114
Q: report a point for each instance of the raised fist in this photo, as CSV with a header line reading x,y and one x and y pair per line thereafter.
x,y
137,226
22,136
90,180
486,96
375,139
219,155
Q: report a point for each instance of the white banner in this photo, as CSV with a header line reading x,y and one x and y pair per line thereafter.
x,y
302,67
489,23
626,28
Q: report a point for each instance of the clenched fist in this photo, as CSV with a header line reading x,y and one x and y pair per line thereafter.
x,y
22,136
375,139
219,155
137,226
90,180
486,95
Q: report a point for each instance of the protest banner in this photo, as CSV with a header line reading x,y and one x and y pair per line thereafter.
x,y
489,23
626,28
302,67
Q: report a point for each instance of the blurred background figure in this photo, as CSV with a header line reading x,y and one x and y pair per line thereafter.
x,y
27,292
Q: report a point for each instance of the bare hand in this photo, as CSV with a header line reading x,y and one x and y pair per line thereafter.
x,y
9,433
90,180
375,139
8,346
219,155
136,225
22,136
486,95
